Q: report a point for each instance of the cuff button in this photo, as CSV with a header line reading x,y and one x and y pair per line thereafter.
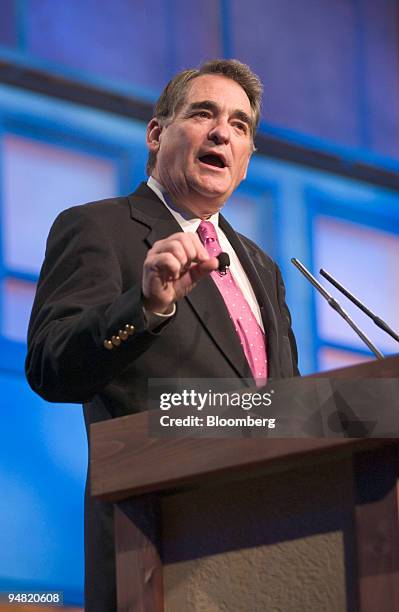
x,y
115,340
108,344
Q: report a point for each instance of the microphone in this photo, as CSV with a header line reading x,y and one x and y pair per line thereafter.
x,y
379,322
336,306
224,262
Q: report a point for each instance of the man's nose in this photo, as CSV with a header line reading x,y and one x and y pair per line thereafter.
x,y
220,132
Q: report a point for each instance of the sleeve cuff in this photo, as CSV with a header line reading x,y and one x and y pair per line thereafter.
x,y
155,319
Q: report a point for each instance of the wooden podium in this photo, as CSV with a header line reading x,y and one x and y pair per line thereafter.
x,y
252,524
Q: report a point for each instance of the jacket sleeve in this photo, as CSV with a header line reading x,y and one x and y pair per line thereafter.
x,y
79,306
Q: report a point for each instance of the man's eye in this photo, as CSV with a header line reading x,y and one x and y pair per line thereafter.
x,y
202,114
241,126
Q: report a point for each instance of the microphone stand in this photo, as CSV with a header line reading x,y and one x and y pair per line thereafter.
x,y
379,322
337,307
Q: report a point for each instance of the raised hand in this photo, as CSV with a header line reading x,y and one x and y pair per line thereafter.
x,y
172,268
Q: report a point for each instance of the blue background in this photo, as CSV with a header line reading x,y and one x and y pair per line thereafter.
x,y
331,77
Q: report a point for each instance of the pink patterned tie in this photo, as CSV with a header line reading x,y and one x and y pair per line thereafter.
x,y
251,336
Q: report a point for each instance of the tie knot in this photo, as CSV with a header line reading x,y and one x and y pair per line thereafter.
x,y
207,232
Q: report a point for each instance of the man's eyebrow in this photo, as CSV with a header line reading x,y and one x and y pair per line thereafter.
x,y
239,114
214,107
206,104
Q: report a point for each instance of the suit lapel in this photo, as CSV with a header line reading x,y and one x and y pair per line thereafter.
x,y
147,209
205,299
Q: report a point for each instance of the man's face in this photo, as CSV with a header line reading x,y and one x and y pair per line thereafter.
x,y
204,150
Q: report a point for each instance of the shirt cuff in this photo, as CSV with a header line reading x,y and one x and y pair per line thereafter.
x,y
155,319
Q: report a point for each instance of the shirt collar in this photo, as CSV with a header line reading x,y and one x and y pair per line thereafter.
x,y
187,223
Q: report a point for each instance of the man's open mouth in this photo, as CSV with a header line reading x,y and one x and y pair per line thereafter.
x,y
212,160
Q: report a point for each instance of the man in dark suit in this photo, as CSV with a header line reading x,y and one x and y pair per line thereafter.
x,y
127,290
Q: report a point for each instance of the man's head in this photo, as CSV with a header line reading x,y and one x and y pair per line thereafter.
x,y
201,137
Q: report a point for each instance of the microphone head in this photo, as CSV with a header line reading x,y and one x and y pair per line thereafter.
x,y
224,262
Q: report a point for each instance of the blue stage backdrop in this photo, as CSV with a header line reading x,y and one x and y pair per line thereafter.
x,y
331,79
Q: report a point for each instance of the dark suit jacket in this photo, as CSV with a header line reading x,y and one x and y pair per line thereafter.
x,y
90,288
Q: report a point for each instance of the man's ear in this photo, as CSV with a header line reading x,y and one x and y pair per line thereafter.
x,y
153,134
246,167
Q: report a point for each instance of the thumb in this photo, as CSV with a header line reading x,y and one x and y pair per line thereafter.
x,y
204,268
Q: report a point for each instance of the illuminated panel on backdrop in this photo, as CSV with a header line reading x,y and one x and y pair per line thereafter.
x,y
40,180
250,212
364,259
18,298
241,214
